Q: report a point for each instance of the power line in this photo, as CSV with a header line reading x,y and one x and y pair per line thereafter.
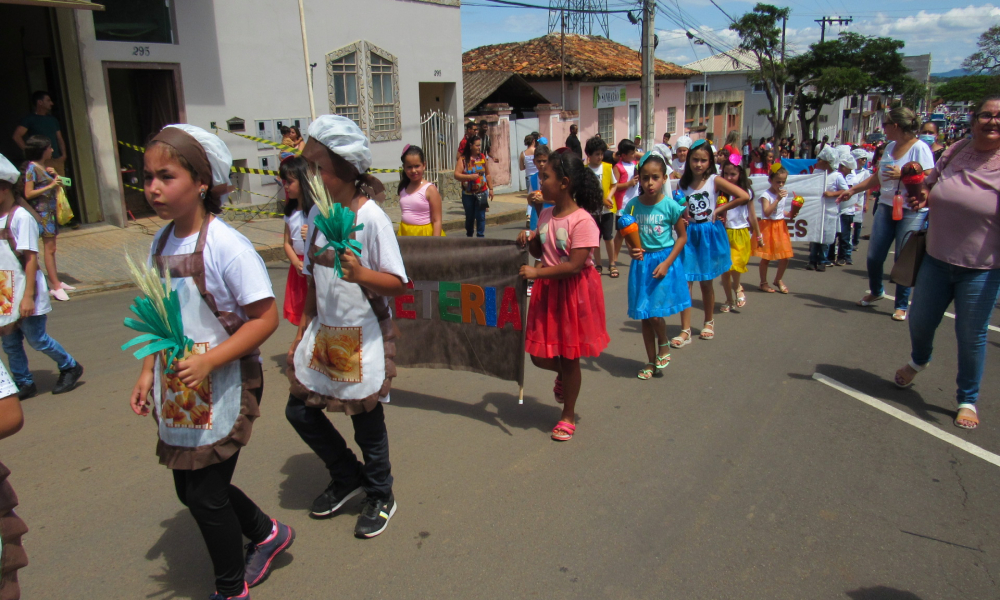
x,y
535,6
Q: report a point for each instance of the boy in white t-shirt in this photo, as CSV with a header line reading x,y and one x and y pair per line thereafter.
x,y
35,305
861,174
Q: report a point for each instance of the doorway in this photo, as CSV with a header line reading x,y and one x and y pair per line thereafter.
x,y
141,101
633,119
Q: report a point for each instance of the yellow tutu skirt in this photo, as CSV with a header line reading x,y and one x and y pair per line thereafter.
x,y
777,244
417,230
739,248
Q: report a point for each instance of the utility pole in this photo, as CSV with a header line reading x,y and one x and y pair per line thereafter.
x,y
648,74
831,20
781,104
562,62
305,55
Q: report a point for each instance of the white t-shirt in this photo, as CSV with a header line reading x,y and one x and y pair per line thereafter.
x,y
677,166
25,231
919,152
848,207
739,217
599,172
779,210
294,223
379,249
235,274
860,176
701,202
835,182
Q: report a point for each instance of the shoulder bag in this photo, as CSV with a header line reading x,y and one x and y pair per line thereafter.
x,y
911,255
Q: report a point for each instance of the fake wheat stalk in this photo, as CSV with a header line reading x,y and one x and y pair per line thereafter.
x,y
336,222
159,315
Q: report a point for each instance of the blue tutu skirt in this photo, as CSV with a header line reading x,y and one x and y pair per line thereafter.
x,y
706,253
649,297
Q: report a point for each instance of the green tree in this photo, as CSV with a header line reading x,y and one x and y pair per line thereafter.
x,y
987,58
970,88
760,35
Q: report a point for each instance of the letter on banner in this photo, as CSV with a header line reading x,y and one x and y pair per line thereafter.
x,y
446,303
402,301
472,303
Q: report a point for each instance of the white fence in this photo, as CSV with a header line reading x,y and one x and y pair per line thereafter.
x,y
438,136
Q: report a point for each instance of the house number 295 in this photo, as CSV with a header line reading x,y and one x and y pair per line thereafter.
x,y
141,51
437,72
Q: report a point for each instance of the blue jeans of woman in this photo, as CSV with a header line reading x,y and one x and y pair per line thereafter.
x,y
884,232
974,292
473,214
33,329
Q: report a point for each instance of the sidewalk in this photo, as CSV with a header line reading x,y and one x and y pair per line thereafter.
x,y
92,258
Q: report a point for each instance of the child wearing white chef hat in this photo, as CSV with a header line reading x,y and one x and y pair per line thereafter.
x,y
341,359
206,401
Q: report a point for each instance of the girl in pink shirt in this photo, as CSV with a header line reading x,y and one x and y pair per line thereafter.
x,y
566,314
419,200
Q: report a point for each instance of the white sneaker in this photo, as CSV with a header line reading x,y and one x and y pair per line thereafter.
x,y
67,286
59,294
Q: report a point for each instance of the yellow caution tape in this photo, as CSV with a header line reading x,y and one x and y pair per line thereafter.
x,y
262,141
231,208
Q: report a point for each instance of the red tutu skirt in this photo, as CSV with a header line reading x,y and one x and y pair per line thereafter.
x,y
295,294
566,317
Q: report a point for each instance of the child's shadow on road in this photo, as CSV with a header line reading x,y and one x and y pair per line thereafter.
x,y
533,414
188,571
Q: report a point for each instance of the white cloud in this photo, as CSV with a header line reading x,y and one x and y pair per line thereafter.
x,y
948,36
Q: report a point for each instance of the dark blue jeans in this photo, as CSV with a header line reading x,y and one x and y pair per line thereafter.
x,y
885,231
473,214
844,246
818,252
370,434
32,329
974,292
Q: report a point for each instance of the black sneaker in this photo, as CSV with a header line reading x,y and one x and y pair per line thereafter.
x,y
841,262
67,379
848,262
374,518
28,391
260,556
333,498
811,267
821,267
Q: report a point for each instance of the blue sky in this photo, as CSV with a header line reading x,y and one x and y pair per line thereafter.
x,y
946,30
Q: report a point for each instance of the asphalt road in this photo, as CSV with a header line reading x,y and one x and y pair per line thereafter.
x,y
737,475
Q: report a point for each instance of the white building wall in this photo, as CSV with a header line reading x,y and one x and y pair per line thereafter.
x,y
244,58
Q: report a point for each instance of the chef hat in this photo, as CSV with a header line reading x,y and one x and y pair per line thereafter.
x,y
220,159
343,137
859,154
8,172
828,154
683,142
849,161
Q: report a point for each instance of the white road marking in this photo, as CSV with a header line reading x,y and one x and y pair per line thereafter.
x,y
910,419
947,314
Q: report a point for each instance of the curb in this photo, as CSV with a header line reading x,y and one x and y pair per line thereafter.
x,y
277,253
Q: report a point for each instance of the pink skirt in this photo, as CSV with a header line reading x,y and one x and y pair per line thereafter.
x,y
295,295
566,317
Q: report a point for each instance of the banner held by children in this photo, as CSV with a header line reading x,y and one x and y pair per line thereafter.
x,y
807,226
466,307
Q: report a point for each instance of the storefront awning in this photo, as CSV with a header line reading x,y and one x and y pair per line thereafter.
x,y
75,4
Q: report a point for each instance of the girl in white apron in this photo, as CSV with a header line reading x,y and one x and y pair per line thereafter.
x,y
205,405
15,285
341,359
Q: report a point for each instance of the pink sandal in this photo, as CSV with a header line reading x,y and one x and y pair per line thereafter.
x,y
563,431
557,390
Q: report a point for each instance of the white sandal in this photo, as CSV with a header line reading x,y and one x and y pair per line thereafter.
x,y
916,369
867,303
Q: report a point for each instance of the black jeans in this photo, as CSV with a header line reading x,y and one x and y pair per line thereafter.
x,y
224,515
370,434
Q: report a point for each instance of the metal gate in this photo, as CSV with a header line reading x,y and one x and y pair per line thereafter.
x,y
440,144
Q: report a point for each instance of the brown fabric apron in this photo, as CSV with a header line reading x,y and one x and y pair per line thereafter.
x,y
11,530
189,458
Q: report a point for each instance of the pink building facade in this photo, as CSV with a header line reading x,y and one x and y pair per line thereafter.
x,y
614,123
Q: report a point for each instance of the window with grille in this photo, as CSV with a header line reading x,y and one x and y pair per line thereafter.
x,y
363,85
606,125
383,99
343,74
672,120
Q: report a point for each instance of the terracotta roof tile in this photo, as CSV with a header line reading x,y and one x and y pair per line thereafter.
x,y
588,58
